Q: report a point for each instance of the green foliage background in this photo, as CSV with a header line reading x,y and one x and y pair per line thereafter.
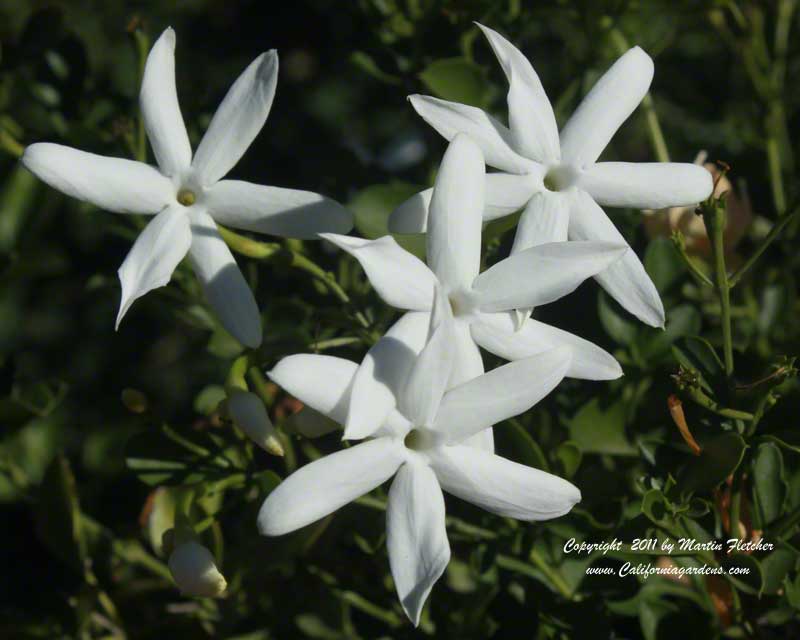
x,y
77,467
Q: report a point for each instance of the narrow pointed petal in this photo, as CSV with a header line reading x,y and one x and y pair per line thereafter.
x,y
160,247
530,115
416,535
454,229
502,486
399,277
647,185
543,274
612,99
288,213
238,119
428,378
545,219
225,287
323,486
498,334
494,139
626,280
113,184
321,382
380,377
158,100
248,412
500,394
504,194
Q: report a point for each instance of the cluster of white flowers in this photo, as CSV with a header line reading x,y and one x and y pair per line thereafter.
x,y
420,399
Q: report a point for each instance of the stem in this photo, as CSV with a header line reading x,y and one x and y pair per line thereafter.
x,y
714,219
704,401
770,237
142,43
680,247
554,576
774,162
736,501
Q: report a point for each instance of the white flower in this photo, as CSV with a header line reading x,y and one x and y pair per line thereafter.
x,y
193,568
482,303
535,159
186,193
421,443
249,414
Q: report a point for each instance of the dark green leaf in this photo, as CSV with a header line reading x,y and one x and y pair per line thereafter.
x,y
719,458
663,264
457,80
596,428
769,484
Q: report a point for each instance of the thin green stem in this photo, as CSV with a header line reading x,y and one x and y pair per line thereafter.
x,y
704,401
554,576
765,243
714,219
680,247
142,43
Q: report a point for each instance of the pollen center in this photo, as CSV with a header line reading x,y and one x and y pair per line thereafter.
x,y
186,197
560,178
462,303
418,440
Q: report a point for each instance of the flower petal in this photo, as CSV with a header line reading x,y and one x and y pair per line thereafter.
x,y
500,394
626,280
454,226
161,112
288,213
160,247
226,289
545,219
113,184
238,120
381,375
428,378
323,486
416,535
497,333
501,486
321,382
399,277
543,274
247,410
530,115
494,139
612,99
468,364
505,193
647,185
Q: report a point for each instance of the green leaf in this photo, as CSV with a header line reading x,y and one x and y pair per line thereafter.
x,y
683,320
663,264
457,80
697,354
58,517
569,455
744,572
776,566
616,322
367,64
655,506
769,484
601,429
372,207
719,458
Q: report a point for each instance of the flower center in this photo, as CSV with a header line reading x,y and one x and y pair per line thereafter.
x,y
560,178
186,197
419,440
462,303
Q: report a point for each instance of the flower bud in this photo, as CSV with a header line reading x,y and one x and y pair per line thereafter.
x,y
134,400
250,415
194,571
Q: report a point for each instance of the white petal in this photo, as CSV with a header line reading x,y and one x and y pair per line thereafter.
x,y
288,213
543,274
500,394
428,378
195,572
238,120
647,185
323,486
113,184
625,280
160,247
454,226
161,112
494,139
382,373
545,219
416,535
399,277
501,486
249,413
497,333
226,289
530,116
504,193
321,382
612,99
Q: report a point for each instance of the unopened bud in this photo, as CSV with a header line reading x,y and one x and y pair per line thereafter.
x,y
250,415
194,571
135,401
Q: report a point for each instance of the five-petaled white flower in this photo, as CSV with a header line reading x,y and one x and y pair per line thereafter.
x,y
556,177
187,194
482,303
421,443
